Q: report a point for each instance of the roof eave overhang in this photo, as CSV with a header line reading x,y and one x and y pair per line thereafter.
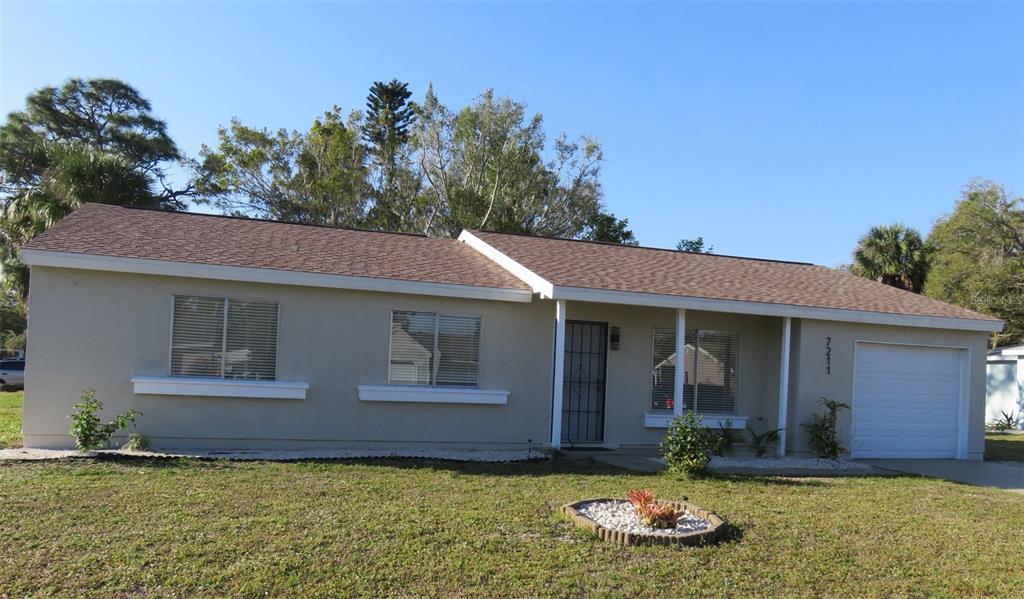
x,y
769,309
548,290
33,257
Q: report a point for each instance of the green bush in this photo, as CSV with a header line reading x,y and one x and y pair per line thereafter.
x,y
87,431
824,438
726,438
763,441
687,445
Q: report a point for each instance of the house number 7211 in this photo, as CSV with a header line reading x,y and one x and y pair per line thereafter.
x,y
828,355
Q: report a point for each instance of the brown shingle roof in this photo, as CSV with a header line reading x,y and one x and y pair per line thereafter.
x,y
646,270
104,230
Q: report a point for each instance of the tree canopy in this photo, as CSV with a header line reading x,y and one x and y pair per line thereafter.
x,y
415,167
695,246
895,255
87,141
978,257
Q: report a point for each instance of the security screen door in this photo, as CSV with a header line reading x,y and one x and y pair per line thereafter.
x,y
586,356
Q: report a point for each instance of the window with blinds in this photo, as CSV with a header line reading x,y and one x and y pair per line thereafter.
x,y
224,338
428,348
711,381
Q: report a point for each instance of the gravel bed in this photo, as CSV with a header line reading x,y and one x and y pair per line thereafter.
x,y
786,463
620,515
461,455
783,465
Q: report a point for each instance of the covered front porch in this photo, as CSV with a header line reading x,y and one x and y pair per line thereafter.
x,y
621,381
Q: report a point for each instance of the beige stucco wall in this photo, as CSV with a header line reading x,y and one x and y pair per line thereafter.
x,y
94,329
813,382
628,393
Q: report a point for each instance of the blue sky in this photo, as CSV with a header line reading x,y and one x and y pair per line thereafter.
x,y
779,130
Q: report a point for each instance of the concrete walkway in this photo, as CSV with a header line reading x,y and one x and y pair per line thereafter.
x,y
1002,475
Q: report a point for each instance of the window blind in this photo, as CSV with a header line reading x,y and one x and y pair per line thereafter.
x,y
224,338
251,343
428,348
716,372
197,336
710,360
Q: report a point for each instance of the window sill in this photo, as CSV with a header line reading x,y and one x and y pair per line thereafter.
x,y
201,387
713,421
415,394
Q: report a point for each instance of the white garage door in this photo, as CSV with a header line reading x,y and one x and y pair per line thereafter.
x,y
906,401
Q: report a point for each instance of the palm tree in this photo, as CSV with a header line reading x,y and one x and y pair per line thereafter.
x,y
895,255
74,174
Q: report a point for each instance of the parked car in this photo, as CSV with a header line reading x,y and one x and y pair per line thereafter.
x,y
12,374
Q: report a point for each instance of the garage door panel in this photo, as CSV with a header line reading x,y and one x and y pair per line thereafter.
x,y
906,401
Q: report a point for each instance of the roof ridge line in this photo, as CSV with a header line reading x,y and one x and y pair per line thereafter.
x,y
644,247
260,220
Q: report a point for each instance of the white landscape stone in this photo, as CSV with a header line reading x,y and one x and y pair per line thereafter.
x,y
620,515
776,464
462,455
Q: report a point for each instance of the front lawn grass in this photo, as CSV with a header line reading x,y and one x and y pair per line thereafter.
x,y
1004,446
408,528
10,418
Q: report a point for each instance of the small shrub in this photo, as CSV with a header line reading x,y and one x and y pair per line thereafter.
x,y
87,431
1006,421
687,445
725,439
654,514
640,497
763,441
824,438
136,442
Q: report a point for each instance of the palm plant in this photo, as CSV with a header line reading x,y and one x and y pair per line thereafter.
x,y
74,174
895,255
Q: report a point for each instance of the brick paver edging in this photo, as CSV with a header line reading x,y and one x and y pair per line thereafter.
x,y
709,535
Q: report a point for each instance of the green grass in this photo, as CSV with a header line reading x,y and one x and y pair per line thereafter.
x,y
435,529
10,418
1004,446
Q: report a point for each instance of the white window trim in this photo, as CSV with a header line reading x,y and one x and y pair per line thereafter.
x,y
432,394
208,387
712,421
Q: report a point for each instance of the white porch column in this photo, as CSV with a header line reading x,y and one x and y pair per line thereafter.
x,y
680,383
787,326
559,375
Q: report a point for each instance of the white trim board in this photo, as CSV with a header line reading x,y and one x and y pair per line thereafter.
x,y
425,394
267,275
535,281
205,387
766,309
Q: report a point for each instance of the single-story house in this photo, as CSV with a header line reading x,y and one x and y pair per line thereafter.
x,y
1005,386
237,333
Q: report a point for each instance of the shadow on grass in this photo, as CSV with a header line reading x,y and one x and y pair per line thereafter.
x,y
529,468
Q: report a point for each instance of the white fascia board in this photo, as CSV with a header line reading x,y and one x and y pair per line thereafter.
x,y
417,394
202,387
536,282
267,275
766,309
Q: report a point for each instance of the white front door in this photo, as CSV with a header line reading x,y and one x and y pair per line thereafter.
x,y
907,401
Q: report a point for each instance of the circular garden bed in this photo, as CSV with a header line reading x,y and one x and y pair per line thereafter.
x,y
619,521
